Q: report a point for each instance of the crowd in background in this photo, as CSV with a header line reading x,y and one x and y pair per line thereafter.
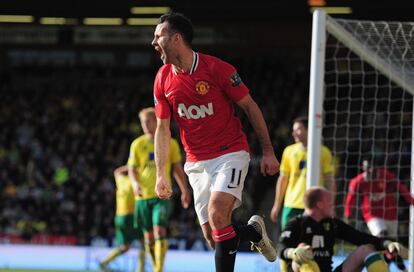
x,y
66,127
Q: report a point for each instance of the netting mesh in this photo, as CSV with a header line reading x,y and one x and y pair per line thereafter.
x,y
391,41
367,114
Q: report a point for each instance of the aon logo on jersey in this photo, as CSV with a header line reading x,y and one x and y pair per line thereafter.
x,y
195,111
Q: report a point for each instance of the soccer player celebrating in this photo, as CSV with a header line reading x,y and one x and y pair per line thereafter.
x,y
308,240
125,232
198,91
150,211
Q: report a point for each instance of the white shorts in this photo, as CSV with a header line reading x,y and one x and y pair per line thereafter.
x,y
222,174
378,225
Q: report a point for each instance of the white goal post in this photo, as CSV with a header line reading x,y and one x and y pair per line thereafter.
x,y
361,99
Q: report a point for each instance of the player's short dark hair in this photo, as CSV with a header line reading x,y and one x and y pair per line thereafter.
x,y
303,120
313,195
178,23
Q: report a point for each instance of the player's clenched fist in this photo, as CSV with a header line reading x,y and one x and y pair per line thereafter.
x,y
163,189
269,165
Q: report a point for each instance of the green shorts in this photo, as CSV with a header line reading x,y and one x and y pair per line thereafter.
x,y
287,214
125,232
152,212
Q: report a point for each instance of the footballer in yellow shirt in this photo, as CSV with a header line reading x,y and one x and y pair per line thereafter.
x,y
291,184
293,166
150,211
125,232
141,158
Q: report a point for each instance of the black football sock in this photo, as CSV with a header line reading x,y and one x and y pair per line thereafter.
x,y
247,233
227,243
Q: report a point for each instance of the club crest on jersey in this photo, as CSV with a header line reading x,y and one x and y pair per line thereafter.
x,y
202,87
235,79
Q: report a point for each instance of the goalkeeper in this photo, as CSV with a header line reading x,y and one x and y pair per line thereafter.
x,y
308,240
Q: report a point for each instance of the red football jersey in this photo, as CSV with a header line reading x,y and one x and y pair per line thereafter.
x,y
378,196
201,102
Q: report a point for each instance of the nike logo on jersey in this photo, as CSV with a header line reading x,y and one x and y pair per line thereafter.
x,y
168,94
231,252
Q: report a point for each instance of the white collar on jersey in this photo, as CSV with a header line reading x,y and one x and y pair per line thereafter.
x,y
194,65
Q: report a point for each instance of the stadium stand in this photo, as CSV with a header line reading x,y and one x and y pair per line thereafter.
x,y
69,124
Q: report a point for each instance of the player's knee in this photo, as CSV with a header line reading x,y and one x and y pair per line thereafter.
x,y
218,218
149,236
364,250
219,210
124,248
159,232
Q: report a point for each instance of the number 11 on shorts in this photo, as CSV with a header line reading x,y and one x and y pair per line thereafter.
x,y
232,184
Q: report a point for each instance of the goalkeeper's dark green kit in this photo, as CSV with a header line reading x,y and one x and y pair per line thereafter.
x,y
321,237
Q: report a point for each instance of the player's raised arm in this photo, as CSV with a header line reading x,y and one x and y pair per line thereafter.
x,y
162,147
269,164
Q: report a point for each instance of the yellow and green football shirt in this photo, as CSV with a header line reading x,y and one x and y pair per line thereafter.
x,y
125,202
293,166
141,156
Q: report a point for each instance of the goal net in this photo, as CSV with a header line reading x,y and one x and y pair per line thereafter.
x,y
361,106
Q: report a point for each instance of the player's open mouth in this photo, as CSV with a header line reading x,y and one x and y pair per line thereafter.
x,y
158,49
160,52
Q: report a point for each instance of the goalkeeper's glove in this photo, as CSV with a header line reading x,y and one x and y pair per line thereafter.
x,y
302,254
397,248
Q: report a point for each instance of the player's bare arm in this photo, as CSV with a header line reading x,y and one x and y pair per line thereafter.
x,y
269,164
180,178
133,176
162,147
280,190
